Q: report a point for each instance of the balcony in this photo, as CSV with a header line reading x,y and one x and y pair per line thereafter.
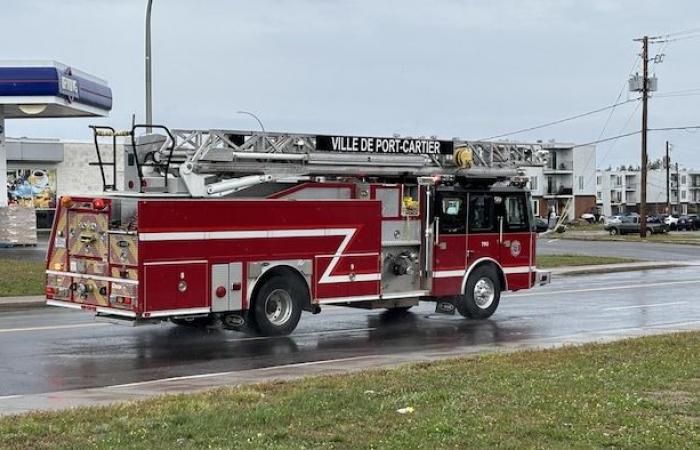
x,y
560,168
559,191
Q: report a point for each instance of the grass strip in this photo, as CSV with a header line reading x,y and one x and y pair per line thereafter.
x,y
18,277
551,261
639,393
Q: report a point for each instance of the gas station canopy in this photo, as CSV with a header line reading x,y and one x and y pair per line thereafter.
x,y
41,89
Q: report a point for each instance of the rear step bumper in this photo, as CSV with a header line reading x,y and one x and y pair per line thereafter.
x,y
92,308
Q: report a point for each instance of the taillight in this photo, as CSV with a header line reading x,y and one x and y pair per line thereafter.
x,y
98,203
50,292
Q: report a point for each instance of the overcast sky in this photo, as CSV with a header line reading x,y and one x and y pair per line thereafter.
x,y
442,67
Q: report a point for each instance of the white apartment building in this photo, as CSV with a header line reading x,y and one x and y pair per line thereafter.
x,y
570,175
619,191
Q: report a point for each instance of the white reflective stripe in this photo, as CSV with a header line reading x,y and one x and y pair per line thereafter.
x,y
251,234
518,269
448,273
92,277
326,277
176,312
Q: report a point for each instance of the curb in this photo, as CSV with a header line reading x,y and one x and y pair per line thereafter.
x,y
603,269
29,301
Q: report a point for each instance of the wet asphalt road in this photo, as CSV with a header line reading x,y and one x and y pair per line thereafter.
x,y
48,350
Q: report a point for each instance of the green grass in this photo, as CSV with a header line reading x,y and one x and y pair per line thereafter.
x,y
550,261
641,393
18,277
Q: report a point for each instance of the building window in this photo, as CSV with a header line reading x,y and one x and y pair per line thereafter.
x,y
618,180
536,208
599,195
682,195
683,179
598,180
533,183
580,183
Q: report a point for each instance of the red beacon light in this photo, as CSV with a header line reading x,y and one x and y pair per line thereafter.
x,y
98,203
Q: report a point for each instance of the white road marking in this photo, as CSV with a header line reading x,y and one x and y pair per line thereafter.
x,y
653,305
609,288
217,374
7,397
552,240
54,327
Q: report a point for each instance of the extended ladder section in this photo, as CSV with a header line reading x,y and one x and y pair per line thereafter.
x,y
214,163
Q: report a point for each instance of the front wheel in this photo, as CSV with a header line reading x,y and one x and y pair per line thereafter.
x,y
613,231
277,306
482,294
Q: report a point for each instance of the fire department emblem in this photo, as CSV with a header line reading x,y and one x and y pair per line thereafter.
x,y
515,248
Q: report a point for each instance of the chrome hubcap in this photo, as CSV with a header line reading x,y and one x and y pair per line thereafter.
x,y
484,293
278,307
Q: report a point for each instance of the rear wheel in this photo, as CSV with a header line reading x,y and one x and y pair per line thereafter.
x,y
613,232
277,307
482,294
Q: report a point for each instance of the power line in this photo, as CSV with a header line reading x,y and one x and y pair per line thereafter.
x,y
690,127
557,122
612,138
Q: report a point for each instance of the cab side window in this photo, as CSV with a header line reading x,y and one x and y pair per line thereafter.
x,y
481,213
452,214
516,213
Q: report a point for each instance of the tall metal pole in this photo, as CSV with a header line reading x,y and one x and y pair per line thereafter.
x,y
149,93
645,95
668,178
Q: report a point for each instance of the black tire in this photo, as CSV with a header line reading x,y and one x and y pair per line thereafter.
x,y
469,305
613,232
195,322
277,306
649,232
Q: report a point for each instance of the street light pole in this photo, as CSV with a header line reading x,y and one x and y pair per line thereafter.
x,y
645,97
149,93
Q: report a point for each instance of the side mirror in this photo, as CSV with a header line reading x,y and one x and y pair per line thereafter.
x,y
541,226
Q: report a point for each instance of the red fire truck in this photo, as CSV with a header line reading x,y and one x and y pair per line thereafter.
x,y
247,228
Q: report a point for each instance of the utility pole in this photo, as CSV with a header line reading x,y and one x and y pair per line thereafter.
x,y
678,190
668,178
149,94
645,95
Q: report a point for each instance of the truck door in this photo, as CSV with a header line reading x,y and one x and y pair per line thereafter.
x,y
482,239
516,239
450,242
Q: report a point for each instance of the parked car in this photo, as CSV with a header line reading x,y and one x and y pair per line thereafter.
x,y
631,224
613,220
672,221
541,225
687,223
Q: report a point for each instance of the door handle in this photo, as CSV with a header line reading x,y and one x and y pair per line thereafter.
x,y
470,253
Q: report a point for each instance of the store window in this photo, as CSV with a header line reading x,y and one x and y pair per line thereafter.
x,y
33,188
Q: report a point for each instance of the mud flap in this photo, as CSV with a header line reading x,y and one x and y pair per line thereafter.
x,y
445,307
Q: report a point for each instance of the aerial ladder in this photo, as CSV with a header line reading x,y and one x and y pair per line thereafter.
x,y
219,163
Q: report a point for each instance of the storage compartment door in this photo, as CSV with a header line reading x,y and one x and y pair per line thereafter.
x,y
172,285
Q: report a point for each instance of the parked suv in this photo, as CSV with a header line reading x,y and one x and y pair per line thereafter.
x,y
672,221
687,223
